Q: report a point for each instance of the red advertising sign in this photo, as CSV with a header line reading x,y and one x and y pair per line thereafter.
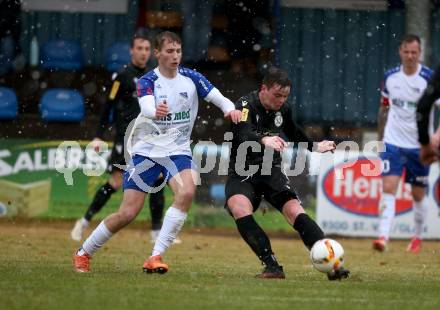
x,y
355,186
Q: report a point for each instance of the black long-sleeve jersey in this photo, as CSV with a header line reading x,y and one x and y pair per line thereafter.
x,y
122,99
256,123
431,94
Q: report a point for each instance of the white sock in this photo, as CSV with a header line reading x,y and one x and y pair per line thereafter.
x,y
420,211
96,240
84,222
172,224
387,210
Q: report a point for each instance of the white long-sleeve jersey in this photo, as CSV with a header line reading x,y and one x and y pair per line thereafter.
x,y
170,135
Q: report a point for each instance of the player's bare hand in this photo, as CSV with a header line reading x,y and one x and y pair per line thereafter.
x,y
162,109
435,140
96,144
234,116
274,142
326,146
429,154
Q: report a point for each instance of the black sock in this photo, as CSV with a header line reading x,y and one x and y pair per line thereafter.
x,y
101,197
157,203
257,239
308,230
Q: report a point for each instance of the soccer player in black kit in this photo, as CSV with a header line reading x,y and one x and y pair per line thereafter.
x,y
122,100
265,117
429,151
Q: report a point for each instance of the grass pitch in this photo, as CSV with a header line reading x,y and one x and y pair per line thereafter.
x,y
210,270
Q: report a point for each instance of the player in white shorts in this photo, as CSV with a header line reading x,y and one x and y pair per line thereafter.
x,y
402,88
159,143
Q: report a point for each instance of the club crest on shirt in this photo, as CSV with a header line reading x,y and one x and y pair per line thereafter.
x,y
184,95
278,119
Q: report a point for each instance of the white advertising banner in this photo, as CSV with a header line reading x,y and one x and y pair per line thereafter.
x,y
348,196
73,6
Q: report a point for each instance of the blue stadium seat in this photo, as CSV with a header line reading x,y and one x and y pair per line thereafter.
x,y
8,103
62,55
217,192
62,104
117,55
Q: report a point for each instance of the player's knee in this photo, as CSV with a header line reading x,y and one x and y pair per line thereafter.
x,y
418,197
291,213
389,188
127,215
187,194
237,208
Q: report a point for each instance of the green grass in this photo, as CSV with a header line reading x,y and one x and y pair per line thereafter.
x,y
207,271
199,216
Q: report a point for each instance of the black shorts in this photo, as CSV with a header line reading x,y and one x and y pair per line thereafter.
x,y
116,157
276,188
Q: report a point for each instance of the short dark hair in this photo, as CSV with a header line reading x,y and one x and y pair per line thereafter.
x,y
409,38
278,76
141,33
166,35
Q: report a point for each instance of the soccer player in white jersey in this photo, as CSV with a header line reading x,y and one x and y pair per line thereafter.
x,y
402,88
160,143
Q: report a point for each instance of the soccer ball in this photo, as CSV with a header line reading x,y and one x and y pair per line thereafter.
x,y
327,255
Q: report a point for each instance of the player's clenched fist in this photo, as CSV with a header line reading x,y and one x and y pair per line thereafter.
x,y
234,116
162,109
274,142
96,144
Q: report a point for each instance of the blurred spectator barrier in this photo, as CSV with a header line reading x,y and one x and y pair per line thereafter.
x,y
117,55
62,105
8,103
61,55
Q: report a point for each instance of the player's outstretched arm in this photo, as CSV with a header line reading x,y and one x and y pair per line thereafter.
x,y
226,105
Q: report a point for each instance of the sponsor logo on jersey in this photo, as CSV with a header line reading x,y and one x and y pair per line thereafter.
x,y
178,116
404,104
278,119
416,89
351,190
244,114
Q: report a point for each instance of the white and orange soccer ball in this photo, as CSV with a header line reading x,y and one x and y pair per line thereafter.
x,y
327,255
